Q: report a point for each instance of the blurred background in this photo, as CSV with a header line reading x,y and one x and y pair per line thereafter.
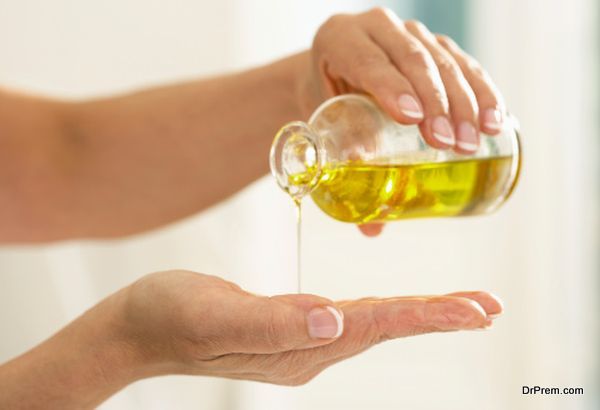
x,y
539,252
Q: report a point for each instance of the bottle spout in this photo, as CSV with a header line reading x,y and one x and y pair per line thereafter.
x,y
296,159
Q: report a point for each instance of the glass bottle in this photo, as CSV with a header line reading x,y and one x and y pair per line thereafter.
x,y
360,166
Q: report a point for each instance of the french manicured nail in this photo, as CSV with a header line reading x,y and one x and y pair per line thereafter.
x,y
410,107
492,118
442,131
325,323
467,137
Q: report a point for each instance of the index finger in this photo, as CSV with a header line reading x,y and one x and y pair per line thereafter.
x,y
393,318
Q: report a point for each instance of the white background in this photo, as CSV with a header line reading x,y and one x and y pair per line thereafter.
x,y
537,252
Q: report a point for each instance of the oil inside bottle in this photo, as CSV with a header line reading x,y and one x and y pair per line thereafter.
x,y
361,192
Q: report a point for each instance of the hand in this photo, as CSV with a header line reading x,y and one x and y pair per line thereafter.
x,y
198,324
180,322
415,76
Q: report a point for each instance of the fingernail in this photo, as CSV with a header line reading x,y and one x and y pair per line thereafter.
x,y
442,131
325,323
467,137
410,107
492,118
494,315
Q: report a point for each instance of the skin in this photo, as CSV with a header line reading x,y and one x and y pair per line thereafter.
x,y
180,322
118,166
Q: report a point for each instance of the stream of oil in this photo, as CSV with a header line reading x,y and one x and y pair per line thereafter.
x,y
298,244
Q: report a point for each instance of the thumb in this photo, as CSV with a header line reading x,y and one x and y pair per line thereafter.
x,y
257,324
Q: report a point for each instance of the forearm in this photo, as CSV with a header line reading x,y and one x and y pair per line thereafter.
x,y
77,368
138,161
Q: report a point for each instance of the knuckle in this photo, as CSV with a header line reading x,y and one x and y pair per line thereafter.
x,y
439,99
476,68
272,330
444,40
415,26
383,18
332,25
381,12
335,20
380,335
491,99
448,68
417,319
418,57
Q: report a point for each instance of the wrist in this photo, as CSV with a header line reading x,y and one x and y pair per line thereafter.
x,y
139,352
80,366
98,349
295,76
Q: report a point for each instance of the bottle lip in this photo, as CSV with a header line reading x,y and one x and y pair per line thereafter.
x,y
296,159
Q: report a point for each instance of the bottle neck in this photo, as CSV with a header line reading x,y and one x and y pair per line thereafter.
x,y
296,159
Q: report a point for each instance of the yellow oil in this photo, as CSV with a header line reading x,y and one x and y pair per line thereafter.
x,y
298,245
360,192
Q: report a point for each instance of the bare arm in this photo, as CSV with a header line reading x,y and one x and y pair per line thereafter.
x,y
79,367
122,165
